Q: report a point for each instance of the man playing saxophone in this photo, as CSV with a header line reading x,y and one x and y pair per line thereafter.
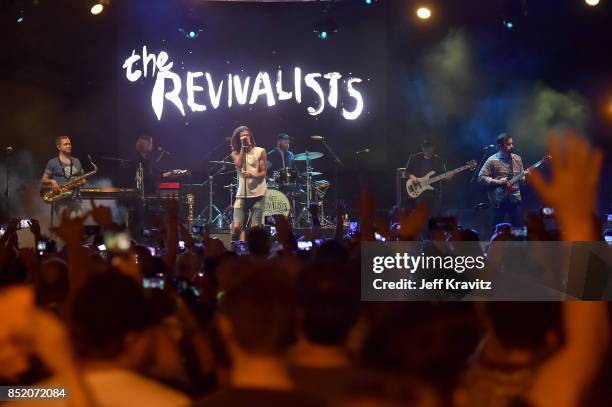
x,y
61,170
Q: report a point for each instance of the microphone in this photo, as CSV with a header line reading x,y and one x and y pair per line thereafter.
x,y
317,137
489,147
365,150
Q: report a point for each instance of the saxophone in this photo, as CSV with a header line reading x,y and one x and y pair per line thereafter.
x,y
67,190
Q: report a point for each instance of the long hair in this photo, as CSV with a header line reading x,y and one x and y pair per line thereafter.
x,y
235,141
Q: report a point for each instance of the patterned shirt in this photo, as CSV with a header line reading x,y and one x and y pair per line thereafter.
x,y
498,166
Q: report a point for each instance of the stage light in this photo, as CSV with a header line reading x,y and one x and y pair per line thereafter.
x,y
325,28
509,25
97,9
368,2
191,34
592,3
423,13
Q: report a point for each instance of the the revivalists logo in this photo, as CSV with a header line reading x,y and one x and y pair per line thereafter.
x,y
232,87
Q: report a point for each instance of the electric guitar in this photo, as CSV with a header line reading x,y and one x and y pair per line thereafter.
x,y
416,188
498,194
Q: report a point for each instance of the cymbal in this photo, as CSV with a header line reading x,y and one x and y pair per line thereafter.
x,y
230,186
309,155
312,173
222,162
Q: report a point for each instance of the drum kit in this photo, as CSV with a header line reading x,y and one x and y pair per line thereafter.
x,y
290,193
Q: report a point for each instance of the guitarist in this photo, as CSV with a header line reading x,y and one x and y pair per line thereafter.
x,y
495,174
422,163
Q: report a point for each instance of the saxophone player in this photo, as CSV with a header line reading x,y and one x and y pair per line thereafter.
x,y
60,170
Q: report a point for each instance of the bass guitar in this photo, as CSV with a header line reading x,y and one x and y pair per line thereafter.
x,y
416,188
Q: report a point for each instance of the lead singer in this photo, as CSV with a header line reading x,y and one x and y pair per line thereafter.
x,y
251,165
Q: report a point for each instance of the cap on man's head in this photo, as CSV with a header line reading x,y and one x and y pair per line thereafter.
x,y
283,136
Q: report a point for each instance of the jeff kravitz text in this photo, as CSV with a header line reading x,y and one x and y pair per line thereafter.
x,y
449,266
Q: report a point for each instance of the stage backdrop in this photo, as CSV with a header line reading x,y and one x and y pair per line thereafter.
x,y
189,72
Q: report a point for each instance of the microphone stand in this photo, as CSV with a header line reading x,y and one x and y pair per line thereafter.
x,y
6,190
207,155
336,162
480,205
480,163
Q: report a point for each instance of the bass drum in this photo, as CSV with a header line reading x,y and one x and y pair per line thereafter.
x,y
276,203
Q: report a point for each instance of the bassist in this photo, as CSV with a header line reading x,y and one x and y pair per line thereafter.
x,y
420,164
496,173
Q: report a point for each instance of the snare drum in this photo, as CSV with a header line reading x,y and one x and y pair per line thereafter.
x,y
276,203
286,178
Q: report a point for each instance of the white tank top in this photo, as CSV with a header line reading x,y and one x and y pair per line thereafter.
x,y
255,186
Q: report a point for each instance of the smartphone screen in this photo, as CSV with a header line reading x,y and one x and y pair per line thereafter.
x,y
156,283
117,242
305,245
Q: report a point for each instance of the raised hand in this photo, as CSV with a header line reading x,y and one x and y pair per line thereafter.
x,y
365,209
172,207
341,208
572,190
35,228
71,228
102,215
412,223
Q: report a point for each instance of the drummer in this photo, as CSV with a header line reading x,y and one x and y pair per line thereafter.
x,y
280,157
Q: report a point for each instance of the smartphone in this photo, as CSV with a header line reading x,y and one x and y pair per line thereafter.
x,y
520,231
608,239
2,231
152,250
25,224
117,242
379,237
305,245
197,229
353,227
182,245
548,211
41,246
155,282
241,248
272,231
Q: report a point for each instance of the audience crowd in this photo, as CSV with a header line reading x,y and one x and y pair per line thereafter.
x,y
265,323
